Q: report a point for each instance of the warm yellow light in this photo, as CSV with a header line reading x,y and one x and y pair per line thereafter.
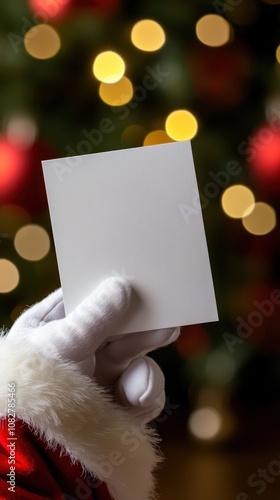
x,y
42,41
181,125
278,54
205,423
116,94
213,30
108,67
147,35
237,201
261,220
9,276
156,137
32,242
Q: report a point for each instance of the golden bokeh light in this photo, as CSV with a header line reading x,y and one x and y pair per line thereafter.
x,y
108,67
148,35
278,54
156,137
32,242
181,125
42,41
213,30
9,276
238,201
262,220
205,423
116,94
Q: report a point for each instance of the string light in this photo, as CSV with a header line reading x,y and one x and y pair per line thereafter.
x,y
213,30
181,125
42,41
116,94
237,201
156,137
261,221
205,423
9,276
147,35
32,242
108,67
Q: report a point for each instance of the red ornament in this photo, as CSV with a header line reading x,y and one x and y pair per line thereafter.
x,y
263,156
46,10
21,176
13,169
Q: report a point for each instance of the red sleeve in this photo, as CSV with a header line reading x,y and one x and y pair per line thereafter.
x,y
30,471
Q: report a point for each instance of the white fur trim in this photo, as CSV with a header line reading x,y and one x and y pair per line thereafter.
x,y
67,408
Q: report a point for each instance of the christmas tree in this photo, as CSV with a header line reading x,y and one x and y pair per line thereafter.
x,y
79,77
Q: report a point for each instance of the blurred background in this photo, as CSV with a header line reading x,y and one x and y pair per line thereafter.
x,y
78,77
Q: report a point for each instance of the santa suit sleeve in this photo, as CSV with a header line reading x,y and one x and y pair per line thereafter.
x,y
63,438
29,470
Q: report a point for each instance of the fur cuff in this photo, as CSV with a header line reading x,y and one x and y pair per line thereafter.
x,y
68,409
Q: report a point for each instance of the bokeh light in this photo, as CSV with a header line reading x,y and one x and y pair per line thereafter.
x,y
205,423
12,167
21,130
9,276
181,125
49,9
261,221
156,137
278,54
108,67
148,35
237,201
213,30
42,41
32,242
116,94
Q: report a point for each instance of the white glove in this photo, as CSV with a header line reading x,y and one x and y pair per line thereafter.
x,y
86,336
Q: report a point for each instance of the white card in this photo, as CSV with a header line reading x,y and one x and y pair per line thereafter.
x,y
133,213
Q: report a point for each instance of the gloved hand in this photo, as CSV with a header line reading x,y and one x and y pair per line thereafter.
x,y
86,336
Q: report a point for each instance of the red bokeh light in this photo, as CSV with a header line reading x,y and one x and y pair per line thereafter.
x,y
266,153
50,9
57,8
13,166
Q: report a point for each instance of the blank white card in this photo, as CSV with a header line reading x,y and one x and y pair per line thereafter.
x,y
133,213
